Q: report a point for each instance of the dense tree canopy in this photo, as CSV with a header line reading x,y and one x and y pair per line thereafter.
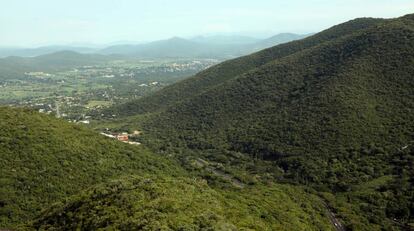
x,y
56,175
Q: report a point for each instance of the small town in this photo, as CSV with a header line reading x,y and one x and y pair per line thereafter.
x,y
85,90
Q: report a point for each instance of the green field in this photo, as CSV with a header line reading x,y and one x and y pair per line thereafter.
x,y
97,103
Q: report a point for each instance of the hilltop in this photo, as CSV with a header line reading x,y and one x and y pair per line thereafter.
x,y
278,39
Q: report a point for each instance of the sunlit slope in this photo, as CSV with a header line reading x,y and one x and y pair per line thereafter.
x,y
43,159
165,203
49,169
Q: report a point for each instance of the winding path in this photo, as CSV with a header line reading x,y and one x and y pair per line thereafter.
x,y
332,217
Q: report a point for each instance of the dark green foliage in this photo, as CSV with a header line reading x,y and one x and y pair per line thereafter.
x,y
45,161
228,70
402,206
165,203
328,111
389,196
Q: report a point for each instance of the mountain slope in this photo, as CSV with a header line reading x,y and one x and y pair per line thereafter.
x,y
56,175
362,79
225,71
43,160
165,203
278,39
329,111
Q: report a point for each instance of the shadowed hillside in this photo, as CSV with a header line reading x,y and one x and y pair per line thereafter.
x,y
219,74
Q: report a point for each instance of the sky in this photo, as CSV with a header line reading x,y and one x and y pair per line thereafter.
x,y
81,22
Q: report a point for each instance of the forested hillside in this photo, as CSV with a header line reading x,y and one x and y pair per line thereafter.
x,y
231,69
43,160
166,203
330,111
56,175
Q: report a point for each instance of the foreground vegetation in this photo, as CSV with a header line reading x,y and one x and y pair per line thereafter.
x,y
165,203
44,160
59,176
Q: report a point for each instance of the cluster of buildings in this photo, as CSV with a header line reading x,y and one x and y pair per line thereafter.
x,y
123,137
38,74
150,84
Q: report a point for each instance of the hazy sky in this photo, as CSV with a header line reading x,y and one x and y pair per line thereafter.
x,y
41,22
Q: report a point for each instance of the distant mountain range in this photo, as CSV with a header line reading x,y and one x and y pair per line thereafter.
x,y
52,58
225,39
32,52
201,46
